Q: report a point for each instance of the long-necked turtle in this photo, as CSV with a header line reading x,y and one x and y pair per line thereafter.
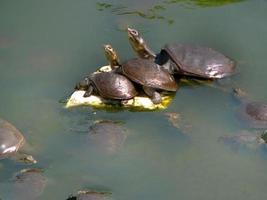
x,y
28,184
253,113
144,72
91,195
11,141
188,60
107,136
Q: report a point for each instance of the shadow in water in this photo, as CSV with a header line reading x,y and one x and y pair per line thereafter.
x,y
156,12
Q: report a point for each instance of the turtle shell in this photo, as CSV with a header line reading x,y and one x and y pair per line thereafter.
x,y
254,114
10,139
199,61
146,72
113,86
29,184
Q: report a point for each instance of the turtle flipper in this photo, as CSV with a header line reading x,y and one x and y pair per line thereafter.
x,y
153,94
88,91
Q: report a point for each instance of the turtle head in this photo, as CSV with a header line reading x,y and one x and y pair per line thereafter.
x,y
264,136
112,56
83,84
139,45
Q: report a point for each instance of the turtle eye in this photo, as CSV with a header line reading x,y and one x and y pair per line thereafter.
x,y
134,32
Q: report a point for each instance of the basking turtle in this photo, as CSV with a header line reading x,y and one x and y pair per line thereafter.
x,y
12,141
252,112
143,72
108,136
245,139
28,184
108,85
91,195
189,60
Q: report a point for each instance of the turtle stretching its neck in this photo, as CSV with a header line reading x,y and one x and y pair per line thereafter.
x,y
188,60
143,72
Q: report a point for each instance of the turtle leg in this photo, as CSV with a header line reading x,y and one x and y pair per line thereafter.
x,y
88,91
153,94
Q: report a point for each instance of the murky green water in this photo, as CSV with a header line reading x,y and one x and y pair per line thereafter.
x,y
47,46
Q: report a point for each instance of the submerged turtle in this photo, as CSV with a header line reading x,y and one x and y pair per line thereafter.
x,y
252,112
245,139
189,60
91,195
108,136
11,143
143,72
28,184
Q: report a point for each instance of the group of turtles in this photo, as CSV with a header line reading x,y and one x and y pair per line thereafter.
x,y
152,73
149,74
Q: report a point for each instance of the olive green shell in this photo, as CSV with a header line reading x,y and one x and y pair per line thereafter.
x,y
10,139
148,73
199,61
113,86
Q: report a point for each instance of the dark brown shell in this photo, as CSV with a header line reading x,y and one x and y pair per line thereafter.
x,y
147,73
10,139
200,61
113,86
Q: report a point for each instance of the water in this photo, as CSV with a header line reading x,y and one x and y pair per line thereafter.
x,y
47,46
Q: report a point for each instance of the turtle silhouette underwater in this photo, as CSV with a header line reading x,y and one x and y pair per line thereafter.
x,y
184,59
12,142
28,184
246,139
90,195
252,113
107,136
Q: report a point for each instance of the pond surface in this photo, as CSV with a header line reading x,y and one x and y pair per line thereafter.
x,y
46,47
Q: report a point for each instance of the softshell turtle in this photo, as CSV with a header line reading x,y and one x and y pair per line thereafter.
x,y
11,141
106,135
246,139
91,195
28,184
189,60
143,72
252,112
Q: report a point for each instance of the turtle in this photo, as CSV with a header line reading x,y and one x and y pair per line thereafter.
x,y
253,113
144,72
107,135
246,139
28,184
108,85
185,59
91,195
11,143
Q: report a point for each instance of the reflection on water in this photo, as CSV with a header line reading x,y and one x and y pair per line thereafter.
x,y
158,10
